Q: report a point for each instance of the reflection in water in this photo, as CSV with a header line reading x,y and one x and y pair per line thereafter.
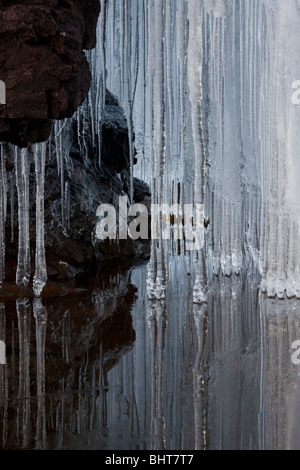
x,y
23,308
40,315
2,335
200,377
157,324
62,357
233,349
280,379
141,361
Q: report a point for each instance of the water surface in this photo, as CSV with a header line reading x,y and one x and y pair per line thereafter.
x,y
98,365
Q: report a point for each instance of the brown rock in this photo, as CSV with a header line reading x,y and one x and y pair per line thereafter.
x,y
43,64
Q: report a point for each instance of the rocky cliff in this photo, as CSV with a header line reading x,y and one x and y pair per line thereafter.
x,y
47,77
42,63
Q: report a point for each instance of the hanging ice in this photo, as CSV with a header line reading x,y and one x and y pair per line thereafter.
x,y
3,190
236,138
252,131
210,89
40,275
22,181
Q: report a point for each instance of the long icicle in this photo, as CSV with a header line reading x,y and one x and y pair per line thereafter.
x,y
40,275
2,216
22,181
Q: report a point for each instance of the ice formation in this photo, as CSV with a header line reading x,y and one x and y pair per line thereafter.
x,y
22,182
40,275
215,117
210,91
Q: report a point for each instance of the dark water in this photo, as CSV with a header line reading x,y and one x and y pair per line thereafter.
x,y
99,366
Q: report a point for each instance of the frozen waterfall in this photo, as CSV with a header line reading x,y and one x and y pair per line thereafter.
x,y
216,118
210,91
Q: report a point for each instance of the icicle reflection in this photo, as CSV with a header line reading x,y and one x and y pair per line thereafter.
x,y
22,182
201,377
157,323
40,315
3,202
23,308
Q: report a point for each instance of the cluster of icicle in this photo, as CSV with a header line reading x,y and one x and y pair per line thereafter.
x,y
209,86
252,197
153,59
21,179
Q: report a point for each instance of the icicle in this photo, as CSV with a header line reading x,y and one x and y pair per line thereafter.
x,y
91,98
79,136
22,182
132,87
2,215
200,287
152,53
40,275
101,88
12,205
195,57
59,126
67,205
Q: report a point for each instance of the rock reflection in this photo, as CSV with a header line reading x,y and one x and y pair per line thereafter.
x,y
62,359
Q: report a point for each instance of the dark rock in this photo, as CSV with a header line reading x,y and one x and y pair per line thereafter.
x,y
141,191
43,64
71,244
115,143
21,131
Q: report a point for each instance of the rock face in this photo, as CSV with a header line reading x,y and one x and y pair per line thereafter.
x,y
114,136
42,63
